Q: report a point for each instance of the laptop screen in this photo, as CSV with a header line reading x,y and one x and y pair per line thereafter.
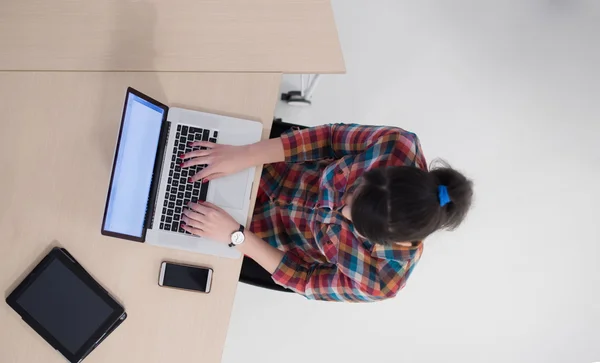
x,y
133,167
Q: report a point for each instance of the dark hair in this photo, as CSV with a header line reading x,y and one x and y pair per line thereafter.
x,y
401,204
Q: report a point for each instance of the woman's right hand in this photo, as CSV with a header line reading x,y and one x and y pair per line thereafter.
x,y
222,160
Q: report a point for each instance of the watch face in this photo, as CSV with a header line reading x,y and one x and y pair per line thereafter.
x,y
237,238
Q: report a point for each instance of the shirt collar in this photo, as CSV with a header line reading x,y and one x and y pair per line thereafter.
x,y
388,252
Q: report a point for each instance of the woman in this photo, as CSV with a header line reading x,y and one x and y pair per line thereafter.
x,y
341,209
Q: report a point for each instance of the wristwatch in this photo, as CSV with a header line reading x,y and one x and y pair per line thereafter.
x,y
237,237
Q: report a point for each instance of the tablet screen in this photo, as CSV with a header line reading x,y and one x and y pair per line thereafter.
x,y
65,306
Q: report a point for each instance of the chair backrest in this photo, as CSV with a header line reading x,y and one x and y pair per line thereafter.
x,y
253,274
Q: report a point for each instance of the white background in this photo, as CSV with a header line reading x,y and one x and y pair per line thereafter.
x,y
509,93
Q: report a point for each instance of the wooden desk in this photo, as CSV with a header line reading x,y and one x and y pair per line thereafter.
x,y
285,36
58,132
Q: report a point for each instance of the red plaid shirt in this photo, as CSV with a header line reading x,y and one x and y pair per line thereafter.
x,y
298,210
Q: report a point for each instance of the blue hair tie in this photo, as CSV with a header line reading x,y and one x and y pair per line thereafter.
x,y
443,195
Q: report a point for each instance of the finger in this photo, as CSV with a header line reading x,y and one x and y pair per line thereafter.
x,y
206,172
192,222
198,217
211,206
192,230
203,160
194,154
200,208
208,144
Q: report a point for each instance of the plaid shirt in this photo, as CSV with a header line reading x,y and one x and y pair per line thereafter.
x,y
298,210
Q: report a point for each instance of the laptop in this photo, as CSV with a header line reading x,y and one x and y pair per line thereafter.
x,y
148,189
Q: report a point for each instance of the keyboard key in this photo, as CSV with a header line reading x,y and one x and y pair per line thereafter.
x,y
182,188
171,204
178,210
182,139
184,173
183,180
188,194
194,130
175,149
181,147
164,210
176,175
188,187
203,191
178,127
169,212
169,181
170,172
177,136
175,183
203,148
165,203
169,220
188,150
198,137
175,143
184,130
167,227
196,192
178,168
173,158
180,195
186,201
213,140
194,200
162,218
176,217
162,226
173,164
172,198
215,134
179,202
175,227
205,135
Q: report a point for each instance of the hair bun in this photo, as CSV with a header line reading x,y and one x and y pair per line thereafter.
x,y
459,191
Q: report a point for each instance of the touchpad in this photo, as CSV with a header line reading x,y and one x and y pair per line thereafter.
x,y
230,190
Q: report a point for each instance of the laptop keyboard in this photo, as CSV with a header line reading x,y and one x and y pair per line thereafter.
x,y
179,191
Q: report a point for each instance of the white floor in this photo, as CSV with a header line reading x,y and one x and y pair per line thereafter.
x,y
509,92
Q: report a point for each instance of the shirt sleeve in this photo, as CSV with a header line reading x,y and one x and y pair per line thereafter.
x,y
327,282
335,141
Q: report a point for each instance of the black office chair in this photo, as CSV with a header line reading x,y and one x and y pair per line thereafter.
x,y
252,273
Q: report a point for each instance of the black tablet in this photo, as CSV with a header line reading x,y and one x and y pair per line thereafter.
x,y
66,306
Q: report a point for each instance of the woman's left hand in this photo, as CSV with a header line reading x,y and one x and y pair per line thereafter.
x,y
209,221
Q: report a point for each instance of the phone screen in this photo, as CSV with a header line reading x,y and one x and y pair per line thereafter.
x,y
186,277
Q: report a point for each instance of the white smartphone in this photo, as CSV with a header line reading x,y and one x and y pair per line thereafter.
x,y
185,277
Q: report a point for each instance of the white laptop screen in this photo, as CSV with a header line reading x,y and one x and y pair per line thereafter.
x,y
134,165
